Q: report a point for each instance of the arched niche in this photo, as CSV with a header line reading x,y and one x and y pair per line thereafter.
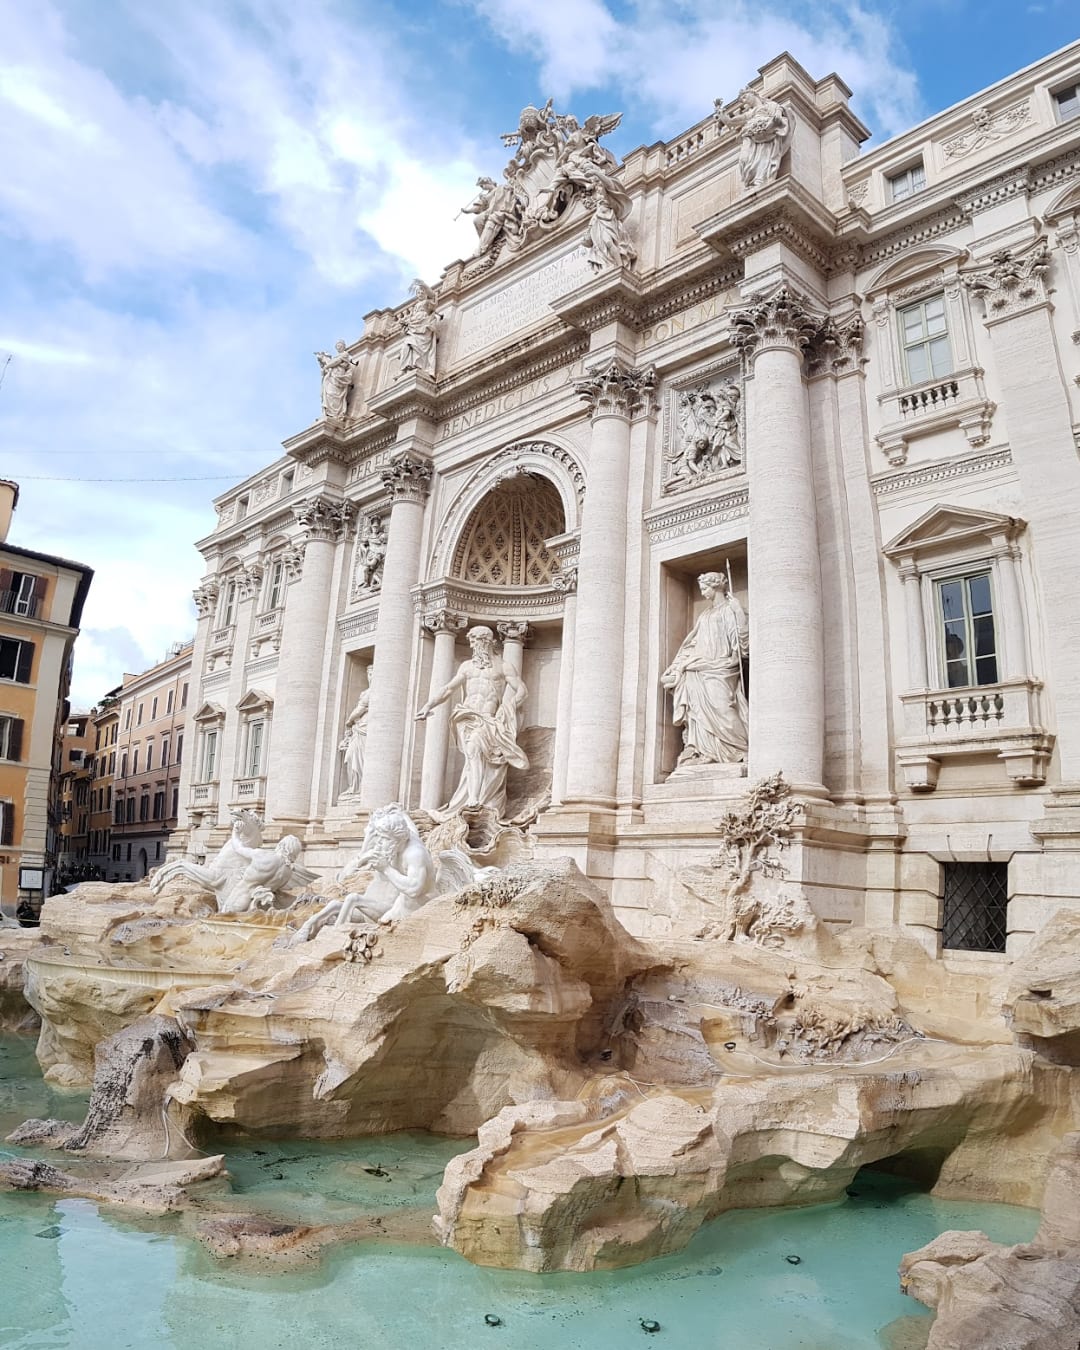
x,y
503,539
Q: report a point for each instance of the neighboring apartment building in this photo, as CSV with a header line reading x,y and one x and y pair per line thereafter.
x,y
75,774
149,752
846,383
41,604
105,720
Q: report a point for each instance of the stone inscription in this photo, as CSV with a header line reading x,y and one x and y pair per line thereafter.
x,y
707,311
497,317
513,398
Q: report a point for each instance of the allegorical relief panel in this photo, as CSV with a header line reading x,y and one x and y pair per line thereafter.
x,y
703,431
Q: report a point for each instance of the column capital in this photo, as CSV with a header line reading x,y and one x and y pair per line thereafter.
x,y
564,579
513,630
249,579
324,518
836,347
205,596
407,478
444,621
293,558
613,389
781,320
1012,282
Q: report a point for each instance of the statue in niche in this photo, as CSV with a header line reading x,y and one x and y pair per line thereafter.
x,y
484,723
765,129
499,211
406,876
337,377
370,554
418,324
706,680
709,436
354,741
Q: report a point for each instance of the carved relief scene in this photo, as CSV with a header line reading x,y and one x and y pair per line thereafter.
x,y
704,432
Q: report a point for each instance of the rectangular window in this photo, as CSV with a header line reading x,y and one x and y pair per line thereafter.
x,y
127,719
16,659
209,756
164,752
159,805
108,798
11,732
275,585
974,913
149,754
138,720
130,812
123,764
153,709
924,337
241,507
907,182
112,761
228,605
253,759
135,760
175,803
144,806
128,856
1067,102
116,852
287,479
966,614
179,747
183,697
118,819
169,701
7,822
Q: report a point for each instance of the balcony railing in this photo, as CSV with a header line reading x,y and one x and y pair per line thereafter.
x,y
959,400
204,796
249,791
12,603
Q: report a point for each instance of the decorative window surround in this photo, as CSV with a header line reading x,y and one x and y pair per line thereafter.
x,y
209,721
1003,719
256,710
955,400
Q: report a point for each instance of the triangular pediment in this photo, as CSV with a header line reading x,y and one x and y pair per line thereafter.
x,y
255,700
948,526
210,712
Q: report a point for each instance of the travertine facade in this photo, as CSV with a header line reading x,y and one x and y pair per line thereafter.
x,y
844,384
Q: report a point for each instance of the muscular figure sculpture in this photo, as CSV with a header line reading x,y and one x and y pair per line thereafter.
x,y
485,724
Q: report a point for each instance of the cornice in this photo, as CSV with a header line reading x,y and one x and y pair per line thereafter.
x,y
783,211
671,521
922,475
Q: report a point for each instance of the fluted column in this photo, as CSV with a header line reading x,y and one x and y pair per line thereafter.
x,y
445,626
614,394
787,671
407,480
565,580
916,629
323,521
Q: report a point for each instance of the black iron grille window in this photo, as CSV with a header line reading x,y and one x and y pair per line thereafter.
x,y
976,896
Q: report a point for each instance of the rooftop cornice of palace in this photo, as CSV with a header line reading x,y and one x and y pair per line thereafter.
x,y
340,443
782,211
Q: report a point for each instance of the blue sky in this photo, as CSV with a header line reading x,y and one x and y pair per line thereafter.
x,y
195,197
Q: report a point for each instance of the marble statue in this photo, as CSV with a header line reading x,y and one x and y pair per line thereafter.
x,y
371,544
418,325
765,129
485,724
499,210
706,679
709,436
244,875
355,740
406,876
608,241
337,377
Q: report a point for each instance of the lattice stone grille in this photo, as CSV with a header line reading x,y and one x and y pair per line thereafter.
x,y
503,540
976,900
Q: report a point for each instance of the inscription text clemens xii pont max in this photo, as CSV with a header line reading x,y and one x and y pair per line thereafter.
x,y
519,305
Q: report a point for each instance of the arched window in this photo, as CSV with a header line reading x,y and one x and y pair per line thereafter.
x,y
502,543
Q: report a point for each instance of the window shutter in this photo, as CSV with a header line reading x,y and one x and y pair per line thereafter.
x,y
7,579
15,738
7,828
26,658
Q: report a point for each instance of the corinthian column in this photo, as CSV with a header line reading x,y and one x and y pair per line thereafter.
x,y
445,626
614,394
407,480
323,521
787,671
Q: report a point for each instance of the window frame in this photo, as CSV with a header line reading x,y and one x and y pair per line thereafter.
x,y
23,664
925,343
906,178
1067,93
942,662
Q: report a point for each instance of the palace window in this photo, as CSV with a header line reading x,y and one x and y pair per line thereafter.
x,y
253,749
974,912
965,612
127,718
210,750
1067,102
130,811
256,710
135,760
164,752
7,822
169,701
116,852
16,659
159,805
11,730
149,754
118,819
924,340
18,593
138,720
275,584
123,764
228,605
144,806
153,709
907,182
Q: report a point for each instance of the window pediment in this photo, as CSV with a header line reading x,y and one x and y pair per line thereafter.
x,y
915,266
210,713
255,701
950,528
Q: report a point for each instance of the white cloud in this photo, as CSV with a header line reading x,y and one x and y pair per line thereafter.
x,y
678,55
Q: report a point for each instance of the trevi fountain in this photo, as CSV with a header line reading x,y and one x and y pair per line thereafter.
x,y
628,876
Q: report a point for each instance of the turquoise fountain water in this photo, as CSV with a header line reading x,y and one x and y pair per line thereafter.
x,y
73,1275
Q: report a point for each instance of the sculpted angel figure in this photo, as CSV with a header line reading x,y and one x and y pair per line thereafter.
x,y
418,325
485,724
706,679
337,377
765,128
499,209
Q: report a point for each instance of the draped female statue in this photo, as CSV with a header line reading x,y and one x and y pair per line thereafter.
x,y
706,679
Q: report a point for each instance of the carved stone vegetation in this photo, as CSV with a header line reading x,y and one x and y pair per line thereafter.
x,y
205,596
1011,282
323,518
614,390
407,478
782,319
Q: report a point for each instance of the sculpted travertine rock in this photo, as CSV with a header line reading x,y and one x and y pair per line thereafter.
x,y
16,944
1043,998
